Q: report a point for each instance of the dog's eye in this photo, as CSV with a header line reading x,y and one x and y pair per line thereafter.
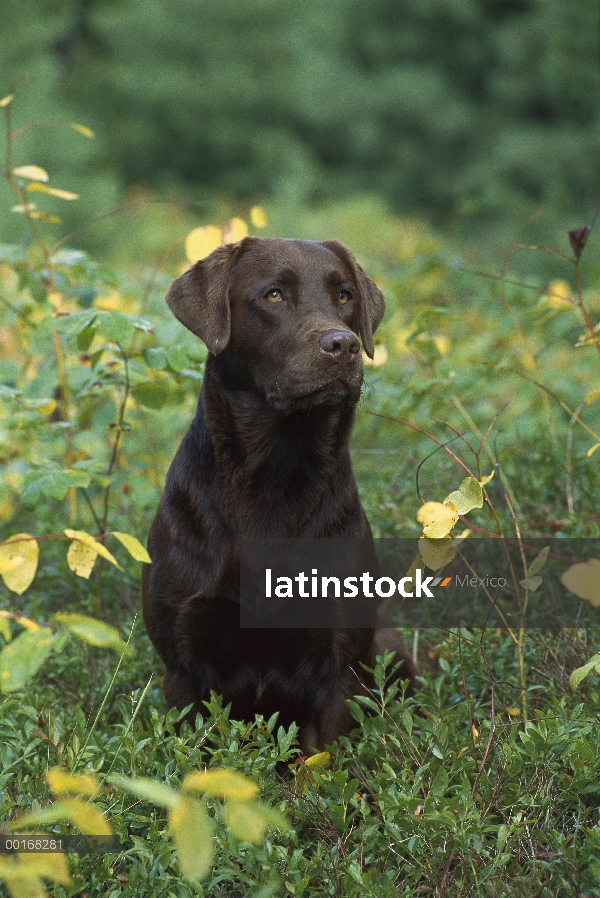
x,y
344,297
274,295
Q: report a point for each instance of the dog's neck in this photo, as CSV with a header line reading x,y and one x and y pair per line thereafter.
x,y
292,459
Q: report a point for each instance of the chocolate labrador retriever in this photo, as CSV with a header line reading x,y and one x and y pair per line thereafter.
x,y
266,456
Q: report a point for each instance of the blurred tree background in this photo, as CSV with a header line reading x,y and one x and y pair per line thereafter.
x,y
472,114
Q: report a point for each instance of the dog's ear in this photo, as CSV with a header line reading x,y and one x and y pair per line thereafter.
x,y
371,305
199,298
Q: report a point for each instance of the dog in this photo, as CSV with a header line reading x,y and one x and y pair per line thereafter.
x,y
266,456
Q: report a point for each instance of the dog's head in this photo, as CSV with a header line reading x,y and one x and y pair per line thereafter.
x,y
288,314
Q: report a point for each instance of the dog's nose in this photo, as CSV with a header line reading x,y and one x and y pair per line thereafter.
x,y
340,345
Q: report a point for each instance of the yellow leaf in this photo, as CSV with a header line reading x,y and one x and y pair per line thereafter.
x,y
60,781
84,815
467,497
322,759
304,772
514,712
592,449
258,217
437,553
89,540
235,229
20,578
592,396
246,820
53,191
193,836
28,207
81,558
486,479
10,563
200,242
31,172
584,580
380,356
25,622
5,101
133,546
87,132
222,783
437,519
41,216
559,294
22,872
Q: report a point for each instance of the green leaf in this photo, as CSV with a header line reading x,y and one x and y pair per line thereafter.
x,y
581,672
192,833
85,338
469,495
152,395
156,358
538,563
531,583
52,483
148,789
440,782
178,359
92,631
21,659
117,327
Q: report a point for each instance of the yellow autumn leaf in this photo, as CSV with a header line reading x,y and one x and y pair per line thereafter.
x,y
42,216
25,622
10,563
467,497
22,872
380,356
85,816
133,546
304,772
53,191
82,129
559,294
89,540
322,759
28,207
584,580
437,553
592,396
592,449
62,781
20,577
486,479
31,172
200,242
81,558
5,101
258,217
222,783
437,519
235,229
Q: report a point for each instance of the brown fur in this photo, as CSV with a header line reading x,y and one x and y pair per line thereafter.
x,y
266,456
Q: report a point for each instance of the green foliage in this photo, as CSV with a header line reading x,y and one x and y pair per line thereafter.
x,y
475,114
485,784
